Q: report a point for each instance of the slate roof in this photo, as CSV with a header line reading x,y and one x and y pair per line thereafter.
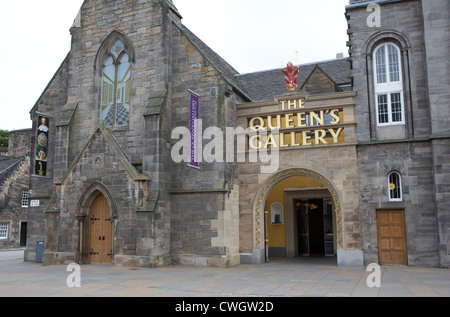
x,y
266,85
7,167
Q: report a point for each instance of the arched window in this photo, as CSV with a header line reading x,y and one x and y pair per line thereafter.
x,y
395,187
388,84
116,76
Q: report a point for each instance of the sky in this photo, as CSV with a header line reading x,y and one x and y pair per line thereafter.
x,y
251,35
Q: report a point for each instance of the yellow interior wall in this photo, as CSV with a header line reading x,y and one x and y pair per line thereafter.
x,y
277,232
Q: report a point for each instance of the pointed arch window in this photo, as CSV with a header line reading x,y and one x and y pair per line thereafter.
x,y
388,85
116,77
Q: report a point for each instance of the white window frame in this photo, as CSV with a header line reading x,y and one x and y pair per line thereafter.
x,y
399,185
4,232
25,198
390,87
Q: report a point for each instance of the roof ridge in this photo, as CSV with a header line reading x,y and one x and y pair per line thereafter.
x,y
305,64
14,161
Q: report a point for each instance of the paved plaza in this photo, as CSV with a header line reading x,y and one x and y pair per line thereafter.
x,y
301,277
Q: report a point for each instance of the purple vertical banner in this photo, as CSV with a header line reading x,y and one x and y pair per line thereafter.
x,y
194,129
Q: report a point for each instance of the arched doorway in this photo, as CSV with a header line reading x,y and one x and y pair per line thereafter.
x,y
96,203
298,212
100,232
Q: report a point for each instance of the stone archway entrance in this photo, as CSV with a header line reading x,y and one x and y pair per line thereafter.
x,y
97,215
321,189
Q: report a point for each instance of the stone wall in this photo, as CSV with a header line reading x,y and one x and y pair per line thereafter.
x,y
333,165
416,149
204,226
99,163
19,143
50,103
412,161
11,210
401,23
436,27
166,62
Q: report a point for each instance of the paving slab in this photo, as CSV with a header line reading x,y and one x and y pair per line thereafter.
x,y
279,278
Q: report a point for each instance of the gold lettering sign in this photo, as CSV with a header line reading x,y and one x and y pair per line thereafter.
x,y
301,128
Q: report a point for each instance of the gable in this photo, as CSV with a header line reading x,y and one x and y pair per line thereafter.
x,y
103,143
319,82
266,85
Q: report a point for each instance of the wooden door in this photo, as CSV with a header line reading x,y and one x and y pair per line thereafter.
x,y
100,232
391,237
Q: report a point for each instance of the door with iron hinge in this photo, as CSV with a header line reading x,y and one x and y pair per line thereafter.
x,y
100,232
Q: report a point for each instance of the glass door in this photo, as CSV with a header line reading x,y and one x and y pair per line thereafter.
x,y
302,226
315,226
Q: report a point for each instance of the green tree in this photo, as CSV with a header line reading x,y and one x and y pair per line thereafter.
x,y
4,139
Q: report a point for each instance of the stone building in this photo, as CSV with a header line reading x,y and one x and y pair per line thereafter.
x,y
14,190
150,149
108,188
401,74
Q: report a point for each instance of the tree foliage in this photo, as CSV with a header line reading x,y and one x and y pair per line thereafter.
x,y
4,139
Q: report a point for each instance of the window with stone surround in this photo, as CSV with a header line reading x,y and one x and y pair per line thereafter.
x,y
4,230
25,196
388,85
395,187
116,66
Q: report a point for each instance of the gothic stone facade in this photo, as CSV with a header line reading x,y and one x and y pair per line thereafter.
x,y
161,211
126,85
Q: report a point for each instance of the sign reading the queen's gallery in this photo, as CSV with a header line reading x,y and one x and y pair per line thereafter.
x,y
299,127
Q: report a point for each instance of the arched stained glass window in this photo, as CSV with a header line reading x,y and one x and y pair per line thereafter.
x,y
115,95
123,91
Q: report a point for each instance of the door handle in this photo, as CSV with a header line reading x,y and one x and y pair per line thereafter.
x,y
100,238
92,252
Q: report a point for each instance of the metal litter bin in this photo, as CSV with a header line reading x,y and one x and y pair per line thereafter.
x,y
39,251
